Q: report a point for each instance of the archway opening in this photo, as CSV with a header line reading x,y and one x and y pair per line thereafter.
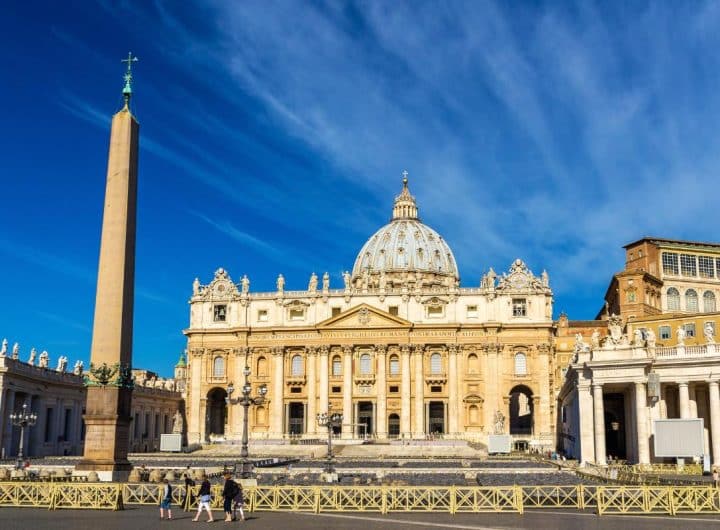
x,y
436,417
365,415
216,411
615,432
296,418
394,426
521,410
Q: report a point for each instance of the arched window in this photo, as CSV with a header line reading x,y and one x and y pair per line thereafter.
x,y
709,305
473,364
520,364
673,299
262,367
394,365
218,367
473,414
336,365
296,367
435,363
691,301
365,367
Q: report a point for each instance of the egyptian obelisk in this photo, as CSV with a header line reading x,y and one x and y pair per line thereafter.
x,y
109,381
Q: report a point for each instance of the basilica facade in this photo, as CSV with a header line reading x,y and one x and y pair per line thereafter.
x,y
401,349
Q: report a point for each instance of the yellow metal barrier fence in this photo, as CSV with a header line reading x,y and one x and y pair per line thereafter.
x,y
668,500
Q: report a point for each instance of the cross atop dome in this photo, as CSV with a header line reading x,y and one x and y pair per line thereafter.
x,y
405,206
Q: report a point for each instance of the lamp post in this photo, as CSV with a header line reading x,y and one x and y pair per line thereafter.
x,y
329,420
22,419
246,400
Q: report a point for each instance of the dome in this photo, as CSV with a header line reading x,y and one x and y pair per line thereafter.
x,y
405,250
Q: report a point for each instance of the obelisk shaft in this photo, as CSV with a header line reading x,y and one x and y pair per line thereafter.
x,y
108,406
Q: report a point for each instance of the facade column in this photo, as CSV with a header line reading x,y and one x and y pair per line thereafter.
x,y
585,427
4,419
381,382
195,413
641,419
599,425
310,420
419,427
714,392
278,398
684,398
693,401
541,411
348,420
405,393
323,359
453,410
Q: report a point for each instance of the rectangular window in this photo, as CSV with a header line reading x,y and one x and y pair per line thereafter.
x,y
49,417
393,310
435,311
688,265
472,311
519,307
706,267
67,425
665,332
690,329
435,388
335,311
219,312
262,315
336,389
295,390
297,314
717,267
146,430
394,389
670,263
157,425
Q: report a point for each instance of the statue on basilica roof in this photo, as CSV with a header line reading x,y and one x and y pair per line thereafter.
x,y
244,284
280,283
326,282
16,351
313,283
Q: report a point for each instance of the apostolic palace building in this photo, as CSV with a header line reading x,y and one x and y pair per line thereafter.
x,y
401,349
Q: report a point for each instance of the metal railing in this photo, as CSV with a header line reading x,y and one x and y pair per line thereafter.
x,y
612,499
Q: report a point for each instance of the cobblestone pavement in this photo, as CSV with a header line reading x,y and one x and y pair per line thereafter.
x,y
146,518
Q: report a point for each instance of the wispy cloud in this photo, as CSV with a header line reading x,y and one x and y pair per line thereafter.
x,y
64,321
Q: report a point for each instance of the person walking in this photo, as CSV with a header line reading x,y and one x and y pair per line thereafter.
x,y
204,498
166,500
238,503
188,499
230,491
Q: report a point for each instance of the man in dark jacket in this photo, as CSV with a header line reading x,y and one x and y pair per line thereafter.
x,y
230,491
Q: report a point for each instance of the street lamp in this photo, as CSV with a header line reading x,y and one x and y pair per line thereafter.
x,y
22,419
246,401
329,420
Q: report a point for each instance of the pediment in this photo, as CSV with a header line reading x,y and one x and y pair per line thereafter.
x,y
364,316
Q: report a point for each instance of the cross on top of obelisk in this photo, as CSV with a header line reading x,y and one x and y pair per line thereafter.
x,y
127,90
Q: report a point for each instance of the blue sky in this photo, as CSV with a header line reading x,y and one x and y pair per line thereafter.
x,y
274,134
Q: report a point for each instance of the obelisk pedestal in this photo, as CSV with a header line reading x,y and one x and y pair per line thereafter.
x,y
109,380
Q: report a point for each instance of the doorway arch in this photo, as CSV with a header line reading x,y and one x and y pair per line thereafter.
x,y
216,411
521,410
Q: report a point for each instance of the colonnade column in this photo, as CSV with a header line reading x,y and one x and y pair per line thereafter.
x,y
692,401
599,425
323,359
419,430
714,391
405,392
278,398
643,443
196,422
453,409
585,429
381,382
684,398
310,421
347,428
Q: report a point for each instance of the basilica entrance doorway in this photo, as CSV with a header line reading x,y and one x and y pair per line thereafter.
x,y
436,417
521,410
216,411
296,418
365,416
394,426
